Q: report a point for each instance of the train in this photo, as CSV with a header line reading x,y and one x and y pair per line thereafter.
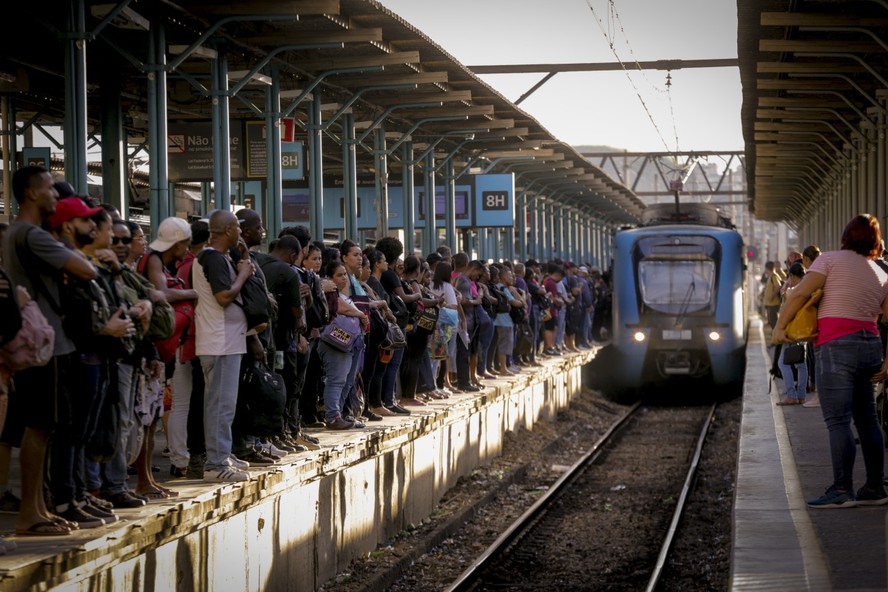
x,y
680,304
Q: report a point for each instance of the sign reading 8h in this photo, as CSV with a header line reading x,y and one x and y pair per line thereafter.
x,y
495,200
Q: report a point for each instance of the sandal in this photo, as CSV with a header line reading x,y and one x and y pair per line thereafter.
x,y
45,528
153,494
59,521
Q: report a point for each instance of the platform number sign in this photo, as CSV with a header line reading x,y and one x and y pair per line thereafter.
x,y
495,200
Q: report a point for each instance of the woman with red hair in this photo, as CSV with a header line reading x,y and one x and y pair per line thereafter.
x,y
848,354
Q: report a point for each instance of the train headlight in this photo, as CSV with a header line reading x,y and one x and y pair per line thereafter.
x,y
638,336
714,335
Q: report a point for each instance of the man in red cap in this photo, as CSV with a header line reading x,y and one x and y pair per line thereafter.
x,y
36,260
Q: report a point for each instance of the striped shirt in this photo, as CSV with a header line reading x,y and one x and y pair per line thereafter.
x,y
854,290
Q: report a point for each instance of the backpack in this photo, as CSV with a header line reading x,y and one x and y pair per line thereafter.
x,y
33,343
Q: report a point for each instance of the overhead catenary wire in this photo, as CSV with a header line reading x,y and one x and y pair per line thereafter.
x,y
609,37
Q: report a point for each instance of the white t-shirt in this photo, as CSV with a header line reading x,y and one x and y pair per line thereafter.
x,y
447,291
220,331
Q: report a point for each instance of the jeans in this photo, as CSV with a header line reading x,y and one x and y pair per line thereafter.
x,y
114,471
561,319
844,368
486,334
390,378
794,389
222,376
427,373
339,370
177,426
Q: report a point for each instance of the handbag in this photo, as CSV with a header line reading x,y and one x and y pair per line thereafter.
x,y
254,301
262,396
342,333
394,337
803,326
794,353
400,310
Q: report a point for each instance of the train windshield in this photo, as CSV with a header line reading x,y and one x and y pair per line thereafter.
x,y
676,275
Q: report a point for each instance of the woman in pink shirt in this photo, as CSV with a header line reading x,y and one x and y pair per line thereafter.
x,y
848,357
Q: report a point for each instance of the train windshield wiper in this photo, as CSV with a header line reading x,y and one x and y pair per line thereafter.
x,y
686,302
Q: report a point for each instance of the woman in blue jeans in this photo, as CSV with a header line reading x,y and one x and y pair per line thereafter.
x,y
340,368
849,357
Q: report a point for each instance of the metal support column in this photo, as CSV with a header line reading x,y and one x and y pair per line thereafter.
x,y
450,205
380,164
880,166
158,170
349,177
114,165
521,219
75,97
535,234
221,134
431,233
7,138
483,252
409,192
316,168
274,188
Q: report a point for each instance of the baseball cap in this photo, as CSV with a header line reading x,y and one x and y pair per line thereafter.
x,y
170,231
583,269
69,208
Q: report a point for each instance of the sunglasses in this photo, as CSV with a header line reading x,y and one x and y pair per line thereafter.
x,y
121,239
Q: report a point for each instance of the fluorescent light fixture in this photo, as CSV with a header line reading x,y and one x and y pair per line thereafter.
x,y
237,75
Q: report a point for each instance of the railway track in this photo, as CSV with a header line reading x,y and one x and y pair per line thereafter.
x,y
561,541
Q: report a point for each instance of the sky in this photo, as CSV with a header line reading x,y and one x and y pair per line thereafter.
x,y
602,108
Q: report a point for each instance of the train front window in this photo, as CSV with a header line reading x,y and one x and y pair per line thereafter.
x,y
676,286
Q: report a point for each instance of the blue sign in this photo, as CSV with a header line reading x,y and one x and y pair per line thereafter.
x,y
293,161
462,209
494,200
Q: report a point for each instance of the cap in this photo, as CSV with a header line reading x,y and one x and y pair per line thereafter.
x,y
69,208
583,269
170,231
65,189
594,270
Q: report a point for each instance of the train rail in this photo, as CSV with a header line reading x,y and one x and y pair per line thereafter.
x,y
523,547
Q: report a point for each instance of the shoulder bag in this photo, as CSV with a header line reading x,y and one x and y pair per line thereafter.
x,y
342,333
803,326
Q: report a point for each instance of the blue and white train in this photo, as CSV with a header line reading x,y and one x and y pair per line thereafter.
x,y
679,300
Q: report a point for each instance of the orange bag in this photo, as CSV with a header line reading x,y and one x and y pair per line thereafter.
x,y
803,326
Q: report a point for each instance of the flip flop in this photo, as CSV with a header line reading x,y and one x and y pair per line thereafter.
x,y
153,494
46,528
168,492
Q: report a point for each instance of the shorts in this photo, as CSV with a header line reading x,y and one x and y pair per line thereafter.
x,y
43,394
551,324
505,340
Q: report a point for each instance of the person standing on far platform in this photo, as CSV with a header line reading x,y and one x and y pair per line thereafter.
x,y
849,357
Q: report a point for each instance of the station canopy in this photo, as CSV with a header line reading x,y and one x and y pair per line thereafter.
x,y
814,75
351,51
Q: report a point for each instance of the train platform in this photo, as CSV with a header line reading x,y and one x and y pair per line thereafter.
x,y
778,542
296,525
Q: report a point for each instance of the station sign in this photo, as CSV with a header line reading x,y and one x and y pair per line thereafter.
x,y
494,200
190,154
34,156
292,161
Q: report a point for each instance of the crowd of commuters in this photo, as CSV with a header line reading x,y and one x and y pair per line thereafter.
x,y
168,331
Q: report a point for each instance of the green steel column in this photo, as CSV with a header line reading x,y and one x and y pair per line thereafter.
x,y
509,240
559,229
450,204
206,198
431,233
521,219
535,221
158,169
316,167
408,190
349,177
380,164
880,166
75,97
273,198
483,245
221,133
114,157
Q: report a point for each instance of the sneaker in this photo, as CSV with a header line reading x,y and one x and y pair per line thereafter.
x,y
97,502
257,459
304,442
7,546
871,497
358,425
226,475
177,472
238,463
195,468
269,449
107,516
303,438
398,410
340,424
283,444
10,503
469,389
834,498
370,416
79,517
382,411
812,400
123,500
165,453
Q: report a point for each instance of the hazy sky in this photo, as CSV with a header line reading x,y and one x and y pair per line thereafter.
x,y
601,107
